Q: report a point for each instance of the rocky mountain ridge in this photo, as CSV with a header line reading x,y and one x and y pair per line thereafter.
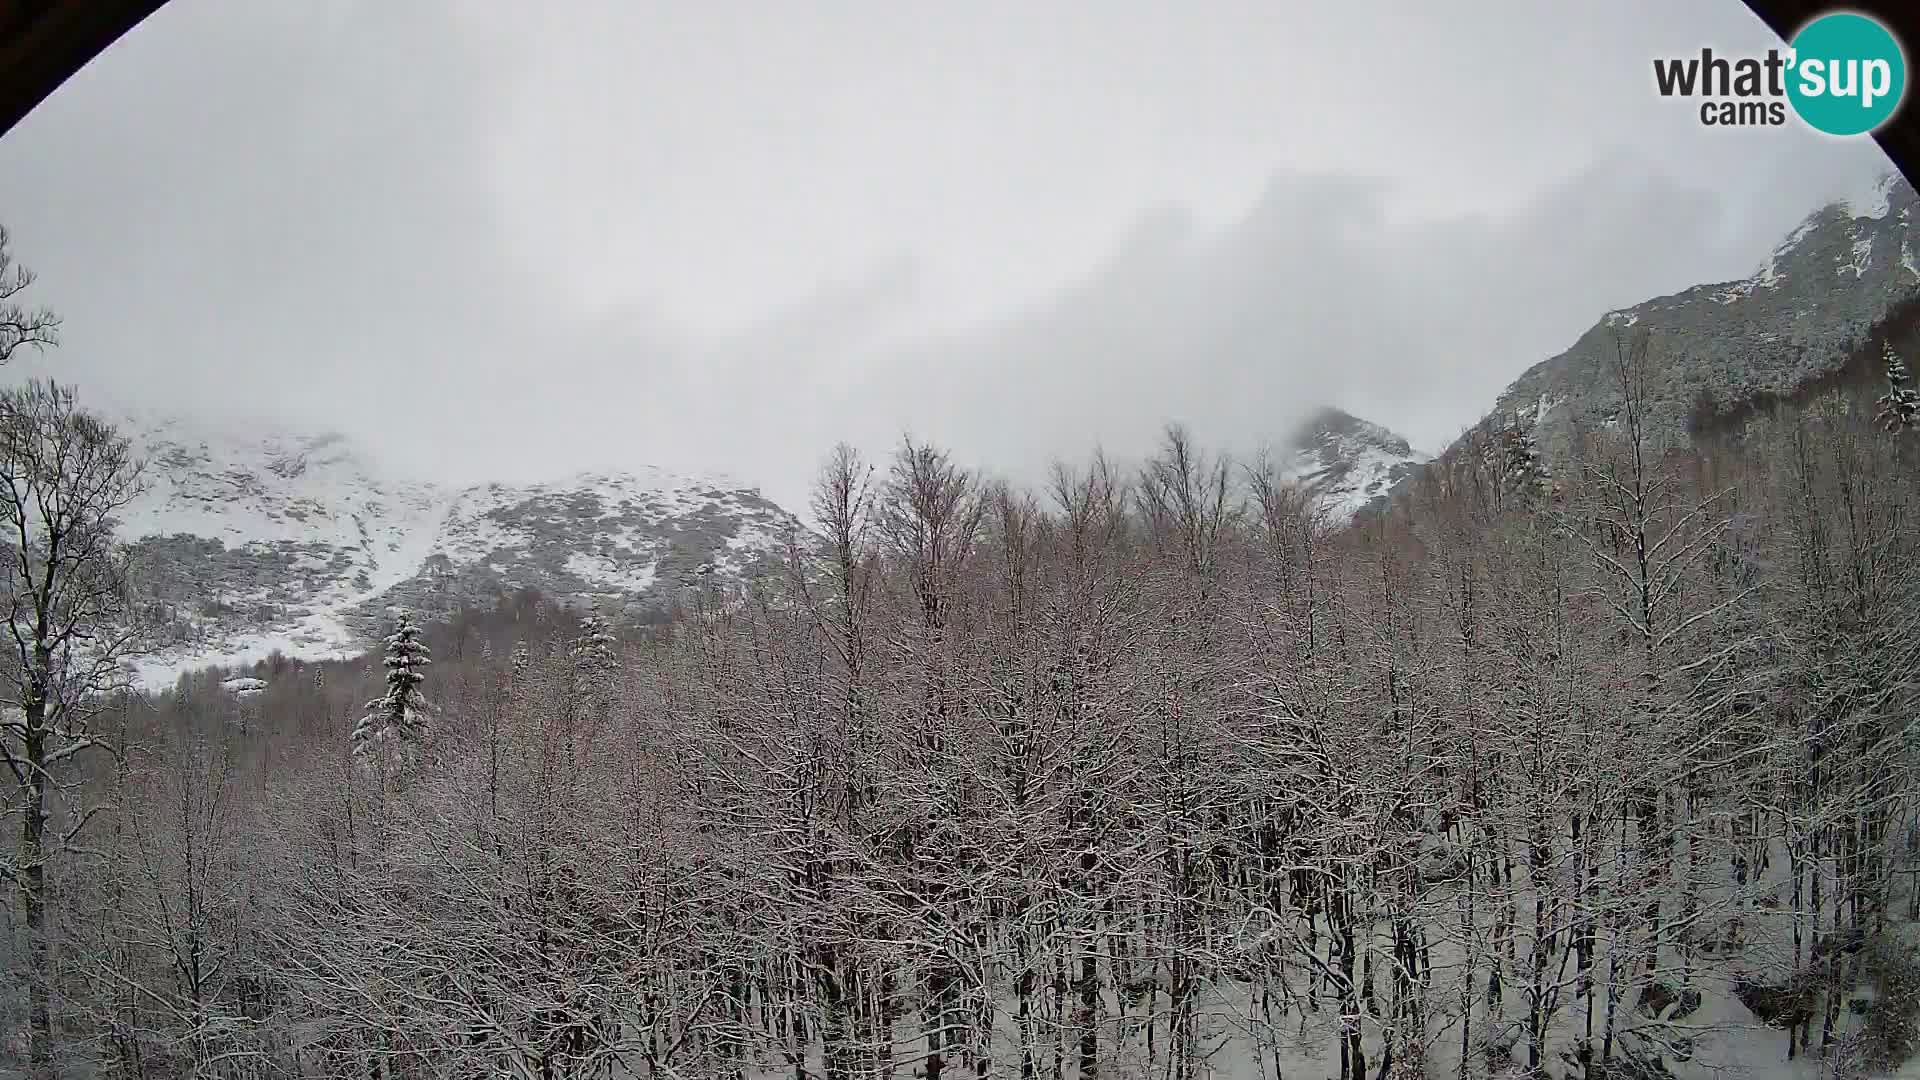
x,y
252,543
1714,346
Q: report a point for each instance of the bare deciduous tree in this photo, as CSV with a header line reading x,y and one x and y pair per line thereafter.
x,y
21,326
64,475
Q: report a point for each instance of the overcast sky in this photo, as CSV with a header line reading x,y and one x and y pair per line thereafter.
x,y
721,235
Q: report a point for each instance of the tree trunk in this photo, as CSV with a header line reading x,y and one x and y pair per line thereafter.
x,y
33,896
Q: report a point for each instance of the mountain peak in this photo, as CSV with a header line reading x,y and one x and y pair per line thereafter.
x,y
1347,463
1329,425
1876,199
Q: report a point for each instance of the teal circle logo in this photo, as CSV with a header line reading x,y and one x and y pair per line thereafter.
x,y
1848,74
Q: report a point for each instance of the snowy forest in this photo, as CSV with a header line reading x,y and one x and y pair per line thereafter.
x,y
1597,768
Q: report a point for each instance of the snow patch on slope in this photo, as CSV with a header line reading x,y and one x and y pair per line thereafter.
x,y
602,570
1871,203
1862,255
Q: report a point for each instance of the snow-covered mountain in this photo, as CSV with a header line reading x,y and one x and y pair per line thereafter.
x,y
1718,345
259,541
252,542
1348,463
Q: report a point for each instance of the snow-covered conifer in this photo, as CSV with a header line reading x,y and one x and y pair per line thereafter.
x,y
1525,468
596,647
400,714
595,658
1899,407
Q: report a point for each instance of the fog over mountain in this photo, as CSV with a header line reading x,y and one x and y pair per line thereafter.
x,y
261,540
424,225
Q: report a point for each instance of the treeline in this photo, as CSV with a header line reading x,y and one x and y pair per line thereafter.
x,y
1601,768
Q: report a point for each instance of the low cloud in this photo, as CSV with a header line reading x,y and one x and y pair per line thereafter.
x,y
486,250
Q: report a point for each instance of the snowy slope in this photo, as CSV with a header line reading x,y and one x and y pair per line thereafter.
x,y
255,541
1793,320
1347,462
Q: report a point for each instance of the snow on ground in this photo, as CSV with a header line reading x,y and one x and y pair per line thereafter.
x,y
1243,1037
1237,1041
